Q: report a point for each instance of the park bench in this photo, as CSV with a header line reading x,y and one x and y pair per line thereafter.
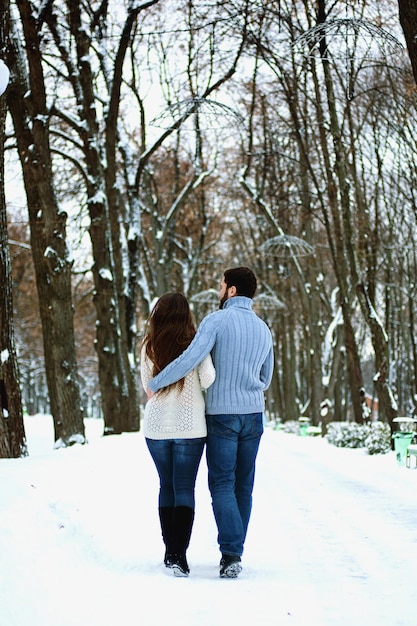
x,y
411,451
314,431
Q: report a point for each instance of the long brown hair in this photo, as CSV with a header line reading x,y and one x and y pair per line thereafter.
x,y
171,329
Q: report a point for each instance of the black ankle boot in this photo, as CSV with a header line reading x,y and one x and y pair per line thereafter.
x,y
230,566
179,565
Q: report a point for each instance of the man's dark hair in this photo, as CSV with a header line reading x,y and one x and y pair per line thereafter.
x,y
243,279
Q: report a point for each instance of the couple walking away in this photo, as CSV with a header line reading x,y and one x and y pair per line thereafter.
x,y
231,357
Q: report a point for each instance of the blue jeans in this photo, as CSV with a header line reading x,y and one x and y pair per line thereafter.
x,y
232,446
177,462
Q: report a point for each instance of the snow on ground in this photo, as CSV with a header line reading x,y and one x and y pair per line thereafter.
x,y
332,539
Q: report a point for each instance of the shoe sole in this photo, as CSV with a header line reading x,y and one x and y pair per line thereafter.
x,y
231,571
179,572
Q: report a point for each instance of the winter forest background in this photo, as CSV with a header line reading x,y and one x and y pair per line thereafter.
x,y
147,146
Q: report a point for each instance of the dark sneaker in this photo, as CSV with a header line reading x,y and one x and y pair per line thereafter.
x,y
179,565
230,566
168,559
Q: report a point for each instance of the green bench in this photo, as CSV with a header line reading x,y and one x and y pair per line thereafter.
x,y
411,451
314,431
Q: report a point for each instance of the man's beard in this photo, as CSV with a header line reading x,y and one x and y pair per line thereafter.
x,y
223,300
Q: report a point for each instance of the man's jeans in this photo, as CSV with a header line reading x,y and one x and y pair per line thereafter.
x,y
232,446
177,462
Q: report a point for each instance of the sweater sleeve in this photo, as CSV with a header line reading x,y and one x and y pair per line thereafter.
x,y
199,348
206,372
267,368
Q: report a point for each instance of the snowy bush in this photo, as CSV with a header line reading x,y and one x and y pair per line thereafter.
x,y
346,434
378,440
291,426
375,437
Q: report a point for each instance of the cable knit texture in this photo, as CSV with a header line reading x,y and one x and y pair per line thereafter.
x,y
177,414
240,344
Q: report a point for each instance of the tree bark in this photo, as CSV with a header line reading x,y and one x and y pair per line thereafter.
x,y
27,103
408,21
12,431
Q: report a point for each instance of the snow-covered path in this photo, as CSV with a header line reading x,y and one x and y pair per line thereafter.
x,y
332,540
345,533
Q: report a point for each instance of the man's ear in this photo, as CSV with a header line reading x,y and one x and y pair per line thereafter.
x,y
233,291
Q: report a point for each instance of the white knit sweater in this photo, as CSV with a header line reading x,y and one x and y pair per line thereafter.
x,y
177,414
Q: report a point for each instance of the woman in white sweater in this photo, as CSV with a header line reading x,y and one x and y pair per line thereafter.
x,y
174,423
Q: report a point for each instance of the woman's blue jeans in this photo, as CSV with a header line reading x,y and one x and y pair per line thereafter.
x,y
177,462
232,447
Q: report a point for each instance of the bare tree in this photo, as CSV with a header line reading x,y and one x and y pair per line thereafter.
x,y
81,51
12,432
47,223
159,237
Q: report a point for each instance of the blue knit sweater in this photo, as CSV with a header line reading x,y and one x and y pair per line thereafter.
x,y
241,348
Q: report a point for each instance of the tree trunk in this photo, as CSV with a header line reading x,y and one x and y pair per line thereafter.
x,y
346,245
48,234
387,406
12,431
290,395
408,20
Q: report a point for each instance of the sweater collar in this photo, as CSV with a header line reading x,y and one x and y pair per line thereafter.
x,y
241,301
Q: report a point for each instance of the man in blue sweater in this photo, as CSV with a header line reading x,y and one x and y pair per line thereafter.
x,y
240,344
